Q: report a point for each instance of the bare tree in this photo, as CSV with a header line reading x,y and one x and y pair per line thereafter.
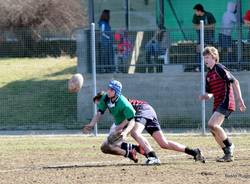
x,y
27,19
42,14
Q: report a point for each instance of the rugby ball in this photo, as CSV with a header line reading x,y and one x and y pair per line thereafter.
x,y
75,83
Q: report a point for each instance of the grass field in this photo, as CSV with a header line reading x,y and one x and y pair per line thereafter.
x,y
33,92
78,159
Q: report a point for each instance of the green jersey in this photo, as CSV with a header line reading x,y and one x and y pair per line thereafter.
x,y
121,109
208,18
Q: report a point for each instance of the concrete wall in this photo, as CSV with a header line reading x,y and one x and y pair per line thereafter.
x,y
170,94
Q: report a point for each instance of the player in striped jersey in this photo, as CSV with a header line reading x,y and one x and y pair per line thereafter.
x,y
221,85
146,118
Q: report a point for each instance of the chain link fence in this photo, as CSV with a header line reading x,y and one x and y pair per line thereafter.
x,y
158,66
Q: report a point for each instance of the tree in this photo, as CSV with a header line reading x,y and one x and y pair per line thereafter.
x,y
28,19
42,14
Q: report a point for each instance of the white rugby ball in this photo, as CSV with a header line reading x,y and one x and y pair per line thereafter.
x,y
75,83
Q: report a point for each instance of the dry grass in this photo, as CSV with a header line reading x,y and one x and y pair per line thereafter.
x,y
69,159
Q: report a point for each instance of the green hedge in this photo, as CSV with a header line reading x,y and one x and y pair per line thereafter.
x,y
42,48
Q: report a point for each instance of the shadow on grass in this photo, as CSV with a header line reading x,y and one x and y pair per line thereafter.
x,y
32,104
70,70
97,165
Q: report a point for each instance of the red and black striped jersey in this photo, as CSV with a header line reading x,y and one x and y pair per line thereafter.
x,y
219,82
136,103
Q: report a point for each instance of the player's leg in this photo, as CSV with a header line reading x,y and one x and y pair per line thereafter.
x,y
165,144
112,149
171,145
136,133
214,124
116,148
220,135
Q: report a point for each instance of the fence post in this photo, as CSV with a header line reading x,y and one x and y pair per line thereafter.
x,y
203,112
82,66
93,58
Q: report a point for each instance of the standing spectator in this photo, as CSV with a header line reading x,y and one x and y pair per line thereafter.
x,y
209,25
106,43
246,19
227,24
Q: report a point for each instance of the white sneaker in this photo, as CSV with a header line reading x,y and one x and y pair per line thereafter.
x,y
153,161
231,149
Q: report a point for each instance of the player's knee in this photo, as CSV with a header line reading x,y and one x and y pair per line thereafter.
x,y
105,148
212,127
212,132
164,146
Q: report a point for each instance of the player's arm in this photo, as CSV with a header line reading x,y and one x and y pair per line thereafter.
x,y
101,109
206,96
129,124
237,90
226,75
87,128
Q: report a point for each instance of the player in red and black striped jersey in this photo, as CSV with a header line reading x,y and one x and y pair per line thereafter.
x,y
146,118
221,85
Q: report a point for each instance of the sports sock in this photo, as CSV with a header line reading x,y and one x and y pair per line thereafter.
x,y
190,151
127,147
124,146
151,154
227,142
226,150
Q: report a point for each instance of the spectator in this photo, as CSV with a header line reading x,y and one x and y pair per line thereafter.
x,y
106,43
124,46
246,19
157,46
209,25
123,50
228,22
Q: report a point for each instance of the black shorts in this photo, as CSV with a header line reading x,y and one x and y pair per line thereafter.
x,y
151,125
223,111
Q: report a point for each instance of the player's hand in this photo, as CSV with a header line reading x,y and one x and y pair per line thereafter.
x,y
242,106
206,96
87,129
202,97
